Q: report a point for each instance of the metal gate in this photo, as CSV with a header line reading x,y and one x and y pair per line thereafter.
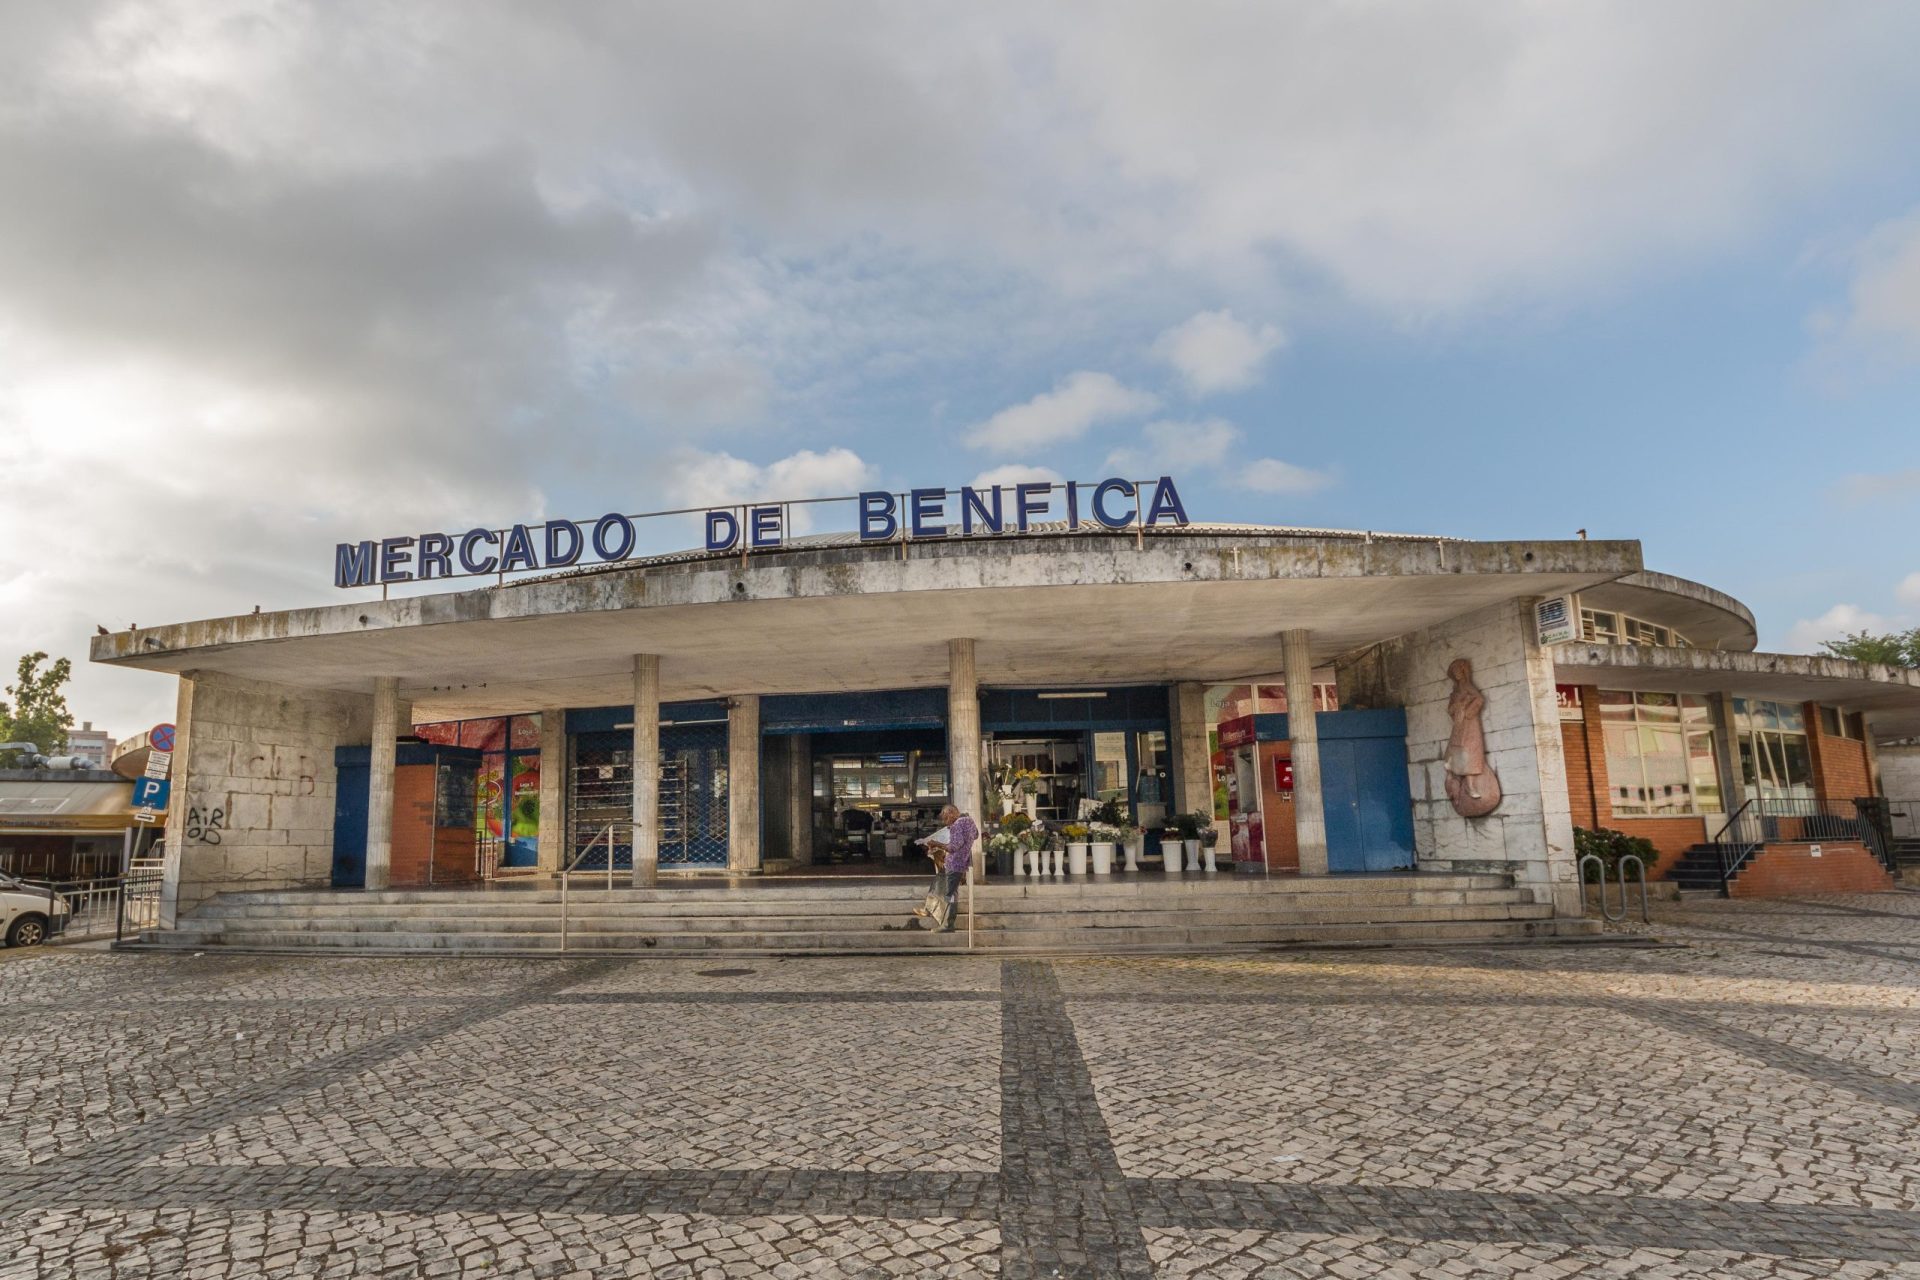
x,y
693,798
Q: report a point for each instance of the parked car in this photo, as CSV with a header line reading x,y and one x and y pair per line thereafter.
x,y
29,915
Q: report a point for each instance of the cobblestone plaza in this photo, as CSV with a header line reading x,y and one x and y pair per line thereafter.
x,y
1740,1102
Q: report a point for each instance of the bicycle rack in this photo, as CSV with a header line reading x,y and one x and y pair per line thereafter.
x,y
1606,910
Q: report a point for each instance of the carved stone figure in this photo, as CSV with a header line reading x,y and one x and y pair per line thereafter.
x,y
1472,784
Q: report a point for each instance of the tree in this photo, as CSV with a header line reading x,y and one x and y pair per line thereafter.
x,y
1895,649
38,712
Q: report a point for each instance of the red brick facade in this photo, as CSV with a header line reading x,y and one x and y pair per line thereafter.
x,y
1791,871
416,843
1840,775
1590,791
1840,770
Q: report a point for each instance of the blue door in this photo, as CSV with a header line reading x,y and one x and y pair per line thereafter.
x,y
350,825
1363,784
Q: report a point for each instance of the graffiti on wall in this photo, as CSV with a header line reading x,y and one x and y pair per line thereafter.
x,y
205,825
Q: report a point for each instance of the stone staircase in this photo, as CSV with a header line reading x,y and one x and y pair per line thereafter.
x,y
840,916
1698,871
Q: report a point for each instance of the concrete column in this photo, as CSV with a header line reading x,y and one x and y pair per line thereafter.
x,y
963,729
743,784
1192,762
553,789
387,715
1309,810
646,769
1726,761
173,834
800,799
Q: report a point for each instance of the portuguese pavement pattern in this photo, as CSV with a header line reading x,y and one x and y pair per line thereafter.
x,y
1733,1091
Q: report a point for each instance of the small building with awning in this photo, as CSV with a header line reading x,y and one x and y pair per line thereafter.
x,y
71,825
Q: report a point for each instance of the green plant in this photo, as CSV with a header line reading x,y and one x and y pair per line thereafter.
x,y
1015,823
1187,825
1610,847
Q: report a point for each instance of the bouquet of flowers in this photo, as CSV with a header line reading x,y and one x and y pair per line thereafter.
x,y
1103,833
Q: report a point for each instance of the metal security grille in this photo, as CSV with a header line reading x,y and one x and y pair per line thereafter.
x,y
600,792
693,797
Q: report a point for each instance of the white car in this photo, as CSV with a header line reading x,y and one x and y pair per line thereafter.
x,y
29,915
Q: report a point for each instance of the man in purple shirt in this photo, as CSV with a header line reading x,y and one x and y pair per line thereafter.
x,y
961,835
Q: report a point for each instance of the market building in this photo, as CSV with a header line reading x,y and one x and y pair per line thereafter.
x,y
774,703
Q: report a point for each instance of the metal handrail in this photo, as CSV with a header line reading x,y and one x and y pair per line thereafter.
x,y
1730,867
567,872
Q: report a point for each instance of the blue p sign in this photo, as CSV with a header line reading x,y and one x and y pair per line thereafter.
x,y
150,793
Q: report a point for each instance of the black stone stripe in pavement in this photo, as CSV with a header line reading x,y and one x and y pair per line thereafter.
x,y
1651,1222
1872,1086
1064,1206
414,1190
770,997
1637,1222
129,1146
1669,1016
1877,950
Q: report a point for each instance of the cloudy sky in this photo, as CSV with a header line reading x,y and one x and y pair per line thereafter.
x,y
278,274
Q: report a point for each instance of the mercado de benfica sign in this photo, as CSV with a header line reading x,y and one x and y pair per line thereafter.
x,y
918,514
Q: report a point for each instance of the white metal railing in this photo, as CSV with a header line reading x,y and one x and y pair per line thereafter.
x,y
572,869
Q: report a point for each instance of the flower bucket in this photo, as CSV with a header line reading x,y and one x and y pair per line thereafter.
x,y
1077,857
1102,857
1193,854
1170,854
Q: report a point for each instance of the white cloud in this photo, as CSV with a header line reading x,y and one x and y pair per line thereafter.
x,y
695,478
1882,314
1876,487
1806,635
1215,352
1015,473
1271,475
1168,447
1908,592
1067,412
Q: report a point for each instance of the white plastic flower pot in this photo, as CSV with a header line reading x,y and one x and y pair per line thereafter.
x,y
1103,857
1193,854
1209,857
1135,844
1077,858
1170,855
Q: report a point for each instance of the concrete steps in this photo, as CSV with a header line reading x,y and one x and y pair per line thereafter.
x,y
828,916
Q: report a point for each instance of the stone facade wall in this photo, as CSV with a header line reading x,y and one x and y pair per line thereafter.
x,y
252,804
1531,834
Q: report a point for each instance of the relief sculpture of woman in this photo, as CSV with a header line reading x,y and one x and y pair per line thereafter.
x,y
1472,784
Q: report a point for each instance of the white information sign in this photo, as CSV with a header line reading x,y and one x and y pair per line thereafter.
x,y
159,763
1557,620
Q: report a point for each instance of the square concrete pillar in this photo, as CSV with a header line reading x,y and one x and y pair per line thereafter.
x,y
1192,762
1309,807
553,790
391,717
963,729
646,769
800,799
743,784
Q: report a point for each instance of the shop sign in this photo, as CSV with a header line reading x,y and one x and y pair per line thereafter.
x,y
1557,621
1567,698
1112,504
1237,732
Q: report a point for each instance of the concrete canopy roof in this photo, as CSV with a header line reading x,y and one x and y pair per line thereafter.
x,y
1709,619
1081,609
1890,696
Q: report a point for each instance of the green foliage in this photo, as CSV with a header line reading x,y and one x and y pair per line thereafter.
x,y
1190,825
1894,649
37,712
1015,823
1610,847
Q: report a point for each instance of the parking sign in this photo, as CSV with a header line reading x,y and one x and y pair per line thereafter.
x,y
150,793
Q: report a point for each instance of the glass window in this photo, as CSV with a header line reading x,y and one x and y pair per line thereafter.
x,y
1660,754
1830,722
1600,626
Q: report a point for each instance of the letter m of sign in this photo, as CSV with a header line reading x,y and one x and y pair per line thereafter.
x,y
353,564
